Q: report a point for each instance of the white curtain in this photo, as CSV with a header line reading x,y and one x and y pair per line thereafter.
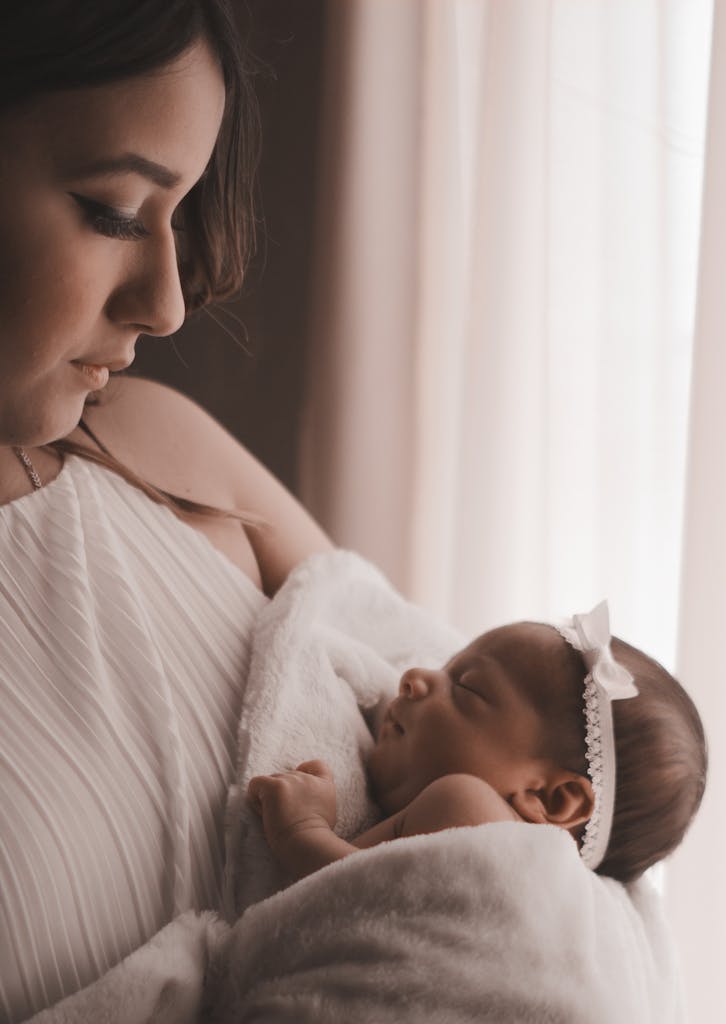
x,y
696,881
507,257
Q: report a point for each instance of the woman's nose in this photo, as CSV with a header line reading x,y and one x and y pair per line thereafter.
x,y
150,298
415,683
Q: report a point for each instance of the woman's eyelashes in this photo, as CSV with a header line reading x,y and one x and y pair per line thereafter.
x,y
113,223
109,221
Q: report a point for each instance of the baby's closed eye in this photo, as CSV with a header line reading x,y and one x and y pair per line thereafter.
x,y
469,688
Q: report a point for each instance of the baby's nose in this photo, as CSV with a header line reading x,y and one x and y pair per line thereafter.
x,y
414,684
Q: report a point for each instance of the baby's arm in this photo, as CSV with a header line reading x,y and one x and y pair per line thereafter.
x,y
453,801
298,814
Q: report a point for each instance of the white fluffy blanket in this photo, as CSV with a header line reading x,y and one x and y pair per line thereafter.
x,y
500,923
327,653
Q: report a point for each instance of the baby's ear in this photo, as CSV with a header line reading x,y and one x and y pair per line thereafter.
x,y
566,800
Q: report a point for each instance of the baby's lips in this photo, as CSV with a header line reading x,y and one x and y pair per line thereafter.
x,y
376,716
391,716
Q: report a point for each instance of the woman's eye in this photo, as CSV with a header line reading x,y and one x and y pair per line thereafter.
x,y
108,221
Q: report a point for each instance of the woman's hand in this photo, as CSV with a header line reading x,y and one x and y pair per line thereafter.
x,y
294,804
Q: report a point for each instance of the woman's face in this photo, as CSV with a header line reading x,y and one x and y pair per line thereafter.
x,y
89,182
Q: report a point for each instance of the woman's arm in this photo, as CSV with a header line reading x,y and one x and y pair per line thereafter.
x,y
171,442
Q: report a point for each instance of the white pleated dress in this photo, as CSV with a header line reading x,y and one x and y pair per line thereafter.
x,y
124,648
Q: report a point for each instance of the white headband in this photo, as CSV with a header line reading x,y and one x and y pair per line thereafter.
x,y
605,682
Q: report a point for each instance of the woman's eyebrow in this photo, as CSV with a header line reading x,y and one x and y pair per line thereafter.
x,y
127,163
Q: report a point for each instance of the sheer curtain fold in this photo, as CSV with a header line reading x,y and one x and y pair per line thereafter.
x,y
497,402
508,216
483,214
696,885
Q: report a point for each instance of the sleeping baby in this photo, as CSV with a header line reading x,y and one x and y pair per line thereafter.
x,y
533,723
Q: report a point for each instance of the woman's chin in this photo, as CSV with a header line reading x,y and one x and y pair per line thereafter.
x,y
55,428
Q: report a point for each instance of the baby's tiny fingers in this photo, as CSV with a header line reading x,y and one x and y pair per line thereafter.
x,y
316,767
253,796
259,784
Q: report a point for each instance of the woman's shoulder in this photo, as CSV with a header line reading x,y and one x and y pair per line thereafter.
x,y
173,443
166,438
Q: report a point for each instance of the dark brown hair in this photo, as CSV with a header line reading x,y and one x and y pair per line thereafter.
x,y
50,45
661,759
662,763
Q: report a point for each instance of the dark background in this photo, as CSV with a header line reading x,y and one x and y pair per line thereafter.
x,y
244,361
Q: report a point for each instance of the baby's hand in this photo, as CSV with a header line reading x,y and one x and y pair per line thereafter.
x,y
294,802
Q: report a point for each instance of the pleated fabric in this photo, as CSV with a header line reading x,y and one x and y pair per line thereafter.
x,y
124,648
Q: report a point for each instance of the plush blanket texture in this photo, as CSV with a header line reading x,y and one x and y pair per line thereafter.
x,y
500,923
332,644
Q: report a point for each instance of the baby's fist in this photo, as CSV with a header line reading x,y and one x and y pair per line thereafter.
x,y
294,802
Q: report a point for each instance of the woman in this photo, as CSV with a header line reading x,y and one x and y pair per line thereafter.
x,y
126,152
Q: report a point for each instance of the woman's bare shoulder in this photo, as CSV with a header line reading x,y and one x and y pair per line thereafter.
x,y
172,442
165,437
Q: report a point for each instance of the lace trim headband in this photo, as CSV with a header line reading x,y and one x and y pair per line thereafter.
x,y
605,682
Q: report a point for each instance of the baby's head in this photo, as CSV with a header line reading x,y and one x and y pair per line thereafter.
x,y
661,764
509,709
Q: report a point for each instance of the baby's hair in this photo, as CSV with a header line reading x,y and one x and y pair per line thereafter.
x,y
661,758
661,769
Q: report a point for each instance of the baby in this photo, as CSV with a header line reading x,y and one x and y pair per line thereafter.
x,y
499,734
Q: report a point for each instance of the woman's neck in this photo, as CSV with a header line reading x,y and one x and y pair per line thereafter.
x,y
15,481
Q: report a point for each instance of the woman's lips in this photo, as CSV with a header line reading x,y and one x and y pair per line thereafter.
x,y
96,377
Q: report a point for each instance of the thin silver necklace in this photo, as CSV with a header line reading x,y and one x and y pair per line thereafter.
x,y
29,467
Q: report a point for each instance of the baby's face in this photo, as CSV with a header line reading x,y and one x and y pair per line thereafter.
x,y
474,715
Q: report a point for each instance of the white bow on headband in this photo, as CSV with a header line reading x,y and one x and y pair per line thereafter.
x,y
590,634
606,681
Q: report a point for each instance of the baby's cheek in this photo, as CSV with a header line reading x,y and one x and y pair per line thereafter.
x,y
382,775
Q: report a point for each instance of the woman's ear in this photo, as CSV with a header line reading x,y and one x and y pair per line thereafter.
x,y
566,800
